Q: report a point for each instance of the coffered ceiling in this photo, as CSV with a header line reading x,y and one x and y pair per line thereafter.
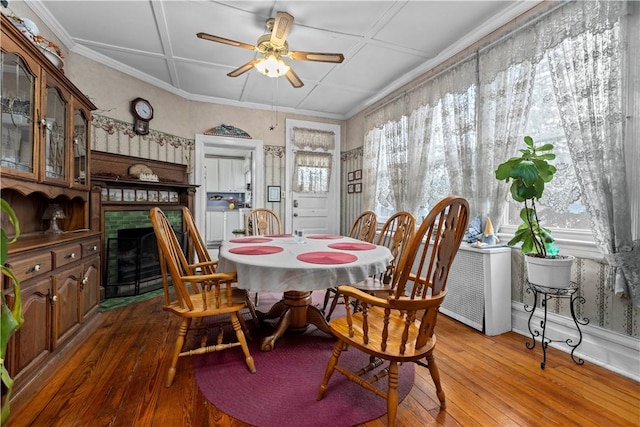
x,y
385,44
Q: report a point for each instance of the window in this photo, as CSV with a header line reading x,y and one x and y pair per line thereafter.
x,y
312,172
561,206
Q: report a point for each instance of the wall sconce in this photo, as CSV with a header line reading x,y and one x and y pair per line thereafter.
x,y
272,66
53,213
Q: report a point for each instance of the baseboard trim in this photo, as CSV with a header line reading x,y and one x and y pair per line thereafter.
x,y
615,352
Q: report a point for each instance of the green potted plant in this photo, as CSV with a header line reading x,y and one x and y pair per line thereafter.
x,y
528,174
11,316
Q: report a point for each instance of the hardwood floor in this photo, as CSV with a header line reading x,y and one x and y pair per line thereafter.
x,y
116,378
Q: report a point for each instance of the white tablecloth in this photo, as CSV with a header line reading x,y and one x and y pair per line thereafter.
x,y
282,271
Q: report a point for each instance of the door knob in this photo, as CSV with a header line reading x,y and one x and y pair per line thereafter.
x,y
295,214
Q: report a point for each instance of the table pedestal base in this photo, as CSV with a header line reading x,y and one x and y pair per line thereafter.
x,y
296,313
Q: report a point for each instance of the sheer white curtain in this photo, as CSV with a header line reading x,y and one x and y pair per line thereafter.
x,y
585,42
457,98
381,124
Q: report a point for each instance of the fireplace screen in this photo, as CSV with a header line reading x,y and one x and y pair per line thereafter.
x,y
133,265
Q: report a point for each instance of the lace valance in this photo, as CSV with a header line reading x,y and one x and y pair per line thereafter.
x,y
313,139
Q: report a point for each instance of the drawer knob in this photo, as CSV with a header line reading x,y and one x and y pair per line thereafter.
x,y
36,267
94,248
72,255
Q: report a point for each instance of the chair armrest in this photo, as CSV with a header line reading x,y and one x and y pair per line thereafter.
x,y
406,303
204,263
221,277
363,297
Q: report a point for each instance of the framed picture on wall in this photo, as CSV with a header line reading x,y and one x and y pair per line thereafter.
x,y
350,188
273,193
357,188
357,175
350,176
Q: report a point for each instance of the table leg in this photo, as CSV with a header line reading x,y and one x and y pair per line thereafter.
x,y
296,312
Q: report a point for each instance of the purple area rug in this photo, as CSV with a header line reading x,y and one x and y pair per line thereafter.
x,y
284,389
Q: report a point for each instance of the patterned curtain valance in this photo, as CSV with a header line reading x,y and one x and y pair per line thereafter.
x,y
313,139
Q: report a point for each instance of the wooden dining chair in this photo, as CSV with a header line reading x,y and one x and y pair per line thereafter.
x,y
400,328
197,246
363,228
208,295
396,234
261,221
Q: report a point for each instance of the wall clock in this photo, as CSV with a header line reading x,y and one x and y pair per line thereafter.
x,y
142,113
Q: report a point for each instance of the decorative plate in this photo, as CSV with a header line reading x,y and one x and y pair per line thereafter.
x,y
227,130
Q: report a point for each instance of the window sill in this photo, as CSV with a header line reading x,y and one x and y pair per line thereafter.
x,y
578,243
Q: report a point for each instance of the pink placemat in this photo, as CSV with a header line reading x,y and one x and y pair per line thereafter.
x,y
327,257
278,235
324,236
256,250
250,240
352,246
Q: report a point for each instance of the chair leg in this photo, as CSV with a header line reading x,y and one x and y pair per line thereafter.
x,y
334,303
244,328
392,394
182,332
326,298
435,376
243,342
331,365
252,308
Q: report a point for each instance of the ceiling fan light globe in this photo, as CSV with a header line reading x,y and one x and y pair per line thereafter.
x,y
271,66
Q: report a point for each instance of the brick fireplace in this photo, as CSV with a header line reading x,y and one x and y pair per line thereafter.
x,y
120,205
131,255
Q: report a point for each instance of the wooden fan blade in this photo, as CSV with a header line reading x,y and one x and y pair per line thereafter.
x,y
293,78
244,68
281,27
317,57
230,42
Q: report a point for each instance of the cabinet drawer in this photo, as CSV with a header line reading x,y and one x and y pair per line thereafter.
x,y
28,266
66,254
90,247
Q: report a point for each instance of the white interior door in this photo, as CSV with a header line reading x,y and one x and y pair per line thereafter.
x,y
313,212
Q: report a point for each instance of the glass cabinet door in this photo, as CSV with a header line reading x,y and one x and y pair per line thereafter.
x,y
55,132
80,129
18,86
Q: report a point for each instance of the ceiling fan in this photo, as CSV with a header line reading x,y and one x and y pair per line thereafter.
x,y
273,46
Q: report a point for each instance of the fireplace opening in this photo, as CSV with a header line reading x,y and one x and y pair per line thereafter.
x,y
133,266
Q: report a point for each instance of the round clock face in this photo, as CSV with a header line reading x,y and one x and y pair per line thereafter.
x,y
144,110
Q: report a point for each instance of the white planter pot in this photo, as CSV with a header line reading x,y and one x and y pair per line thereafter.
x,y
550,272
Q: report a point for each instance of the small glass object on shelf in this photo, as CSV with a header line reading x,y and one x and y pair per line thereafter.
x,y
80,127
18,89
55,134
53,213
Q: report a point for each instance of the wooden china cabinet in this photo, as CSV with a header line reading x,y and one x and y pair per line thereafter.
x,y
45,164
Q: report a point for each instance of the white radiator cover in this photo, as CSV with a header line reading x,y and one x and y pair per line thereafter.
x,y
479,289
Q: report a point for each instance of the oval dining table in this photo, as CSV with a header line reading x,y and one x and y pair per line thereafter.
x,y
296,267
